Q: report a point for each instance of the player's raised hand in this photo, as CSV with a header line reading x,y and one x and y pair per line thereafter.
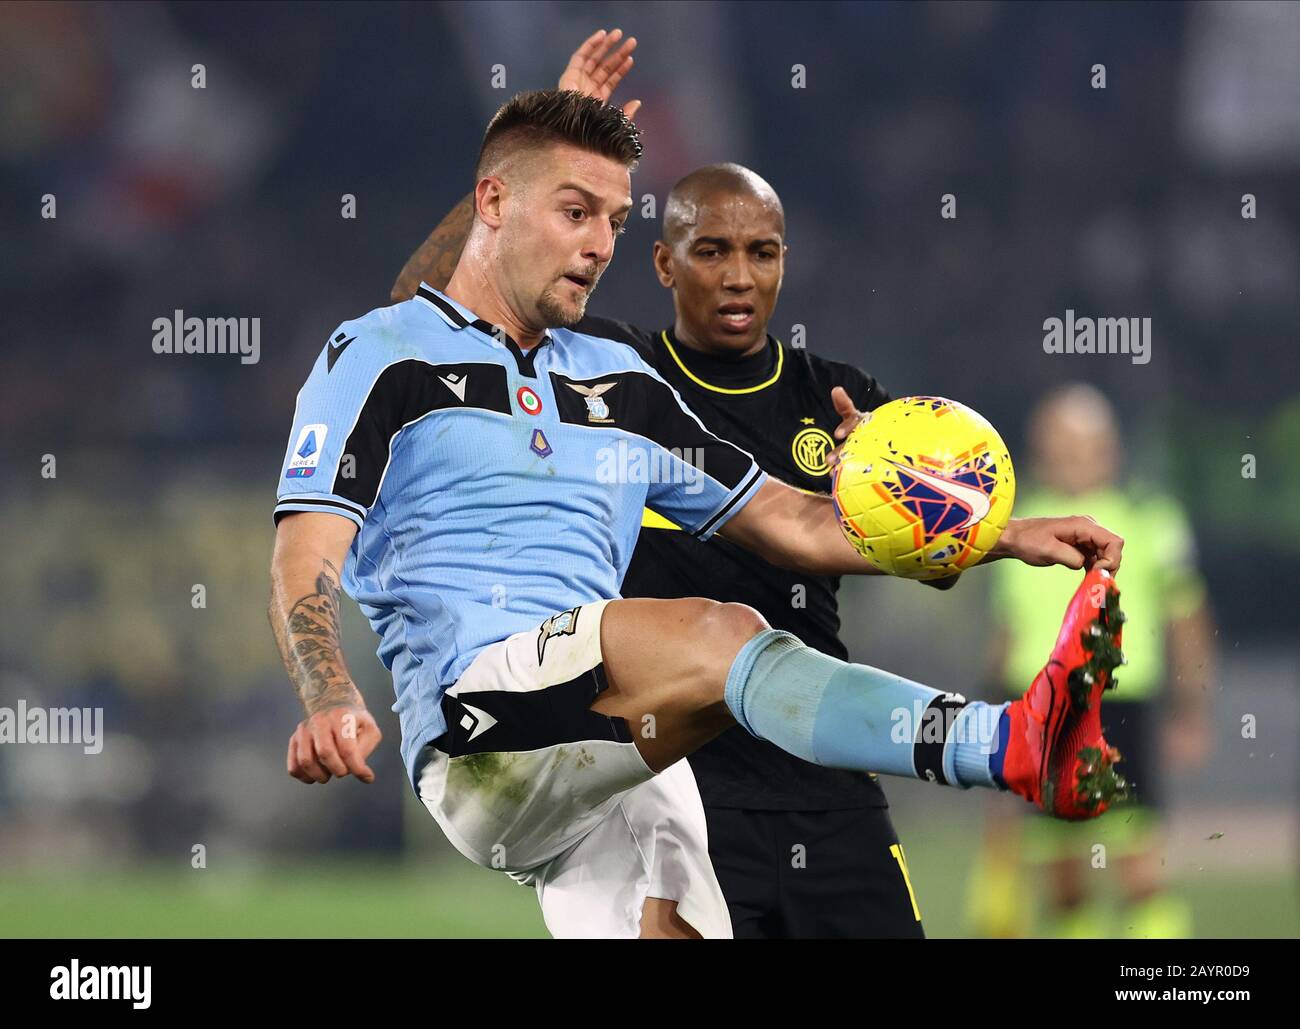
x,y
1076,542
599,65
335,742
850,419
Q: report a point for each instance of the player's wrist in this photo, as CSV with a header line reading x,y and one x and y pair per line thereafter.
x,y
349,700
1007,544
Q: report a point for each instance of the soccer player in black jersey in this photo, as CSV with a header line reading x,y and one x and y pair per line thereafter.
x,y
800,850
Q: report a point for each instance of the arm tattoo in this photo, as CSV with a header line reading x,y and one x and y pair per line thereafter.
x,y
313,655
438,255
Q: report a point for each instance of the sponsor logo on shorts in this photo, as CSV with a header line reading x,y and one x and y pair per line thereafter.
x,y
475,721
563,624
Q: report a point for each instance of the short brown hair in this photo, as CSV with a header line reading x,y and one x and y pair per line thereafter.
x,y
544,116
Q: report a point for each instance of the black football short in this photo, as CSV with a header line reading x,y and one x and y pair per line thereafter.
x,y
813,874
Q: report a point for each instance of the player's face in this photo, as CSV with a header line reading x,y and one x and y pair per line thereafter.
x,y
559,227
725,272
1075,452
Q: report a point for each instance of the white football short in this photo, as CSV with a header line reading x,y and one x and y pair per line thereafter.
x,y
529,780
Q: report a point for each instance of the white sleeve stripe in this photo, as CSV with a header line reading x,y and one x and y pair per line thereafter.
x,y
322,498
286,506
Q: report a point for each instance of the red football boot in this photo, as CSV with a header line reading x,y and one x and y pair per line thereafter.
x,y
1056,756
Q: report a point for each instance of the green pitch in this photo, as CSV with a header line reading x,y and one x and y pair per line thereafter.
x,y
458,900
371,899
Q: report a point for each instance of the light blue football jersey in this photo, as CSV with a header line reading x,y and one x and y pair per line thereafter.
x,y
492,487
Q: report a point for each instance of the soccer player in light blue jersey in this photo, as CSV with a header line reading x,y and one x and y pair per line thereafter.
x,y
473,473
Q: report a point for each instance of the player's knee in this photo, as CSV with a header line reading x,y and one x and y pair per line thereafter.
x,y
727,628
740,623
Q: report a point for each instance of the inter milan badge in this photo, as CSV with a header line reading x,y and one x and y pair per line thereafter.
x,y
563,624
538,445
809,449
597,409
529,401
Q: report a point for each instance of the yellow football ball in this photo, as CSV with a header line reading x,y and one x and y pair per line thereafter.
x,y
924,488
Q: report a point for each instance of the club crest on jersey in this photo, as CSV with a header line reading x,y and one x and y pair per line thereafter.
x,y
563,624
809,449
307,451
597,409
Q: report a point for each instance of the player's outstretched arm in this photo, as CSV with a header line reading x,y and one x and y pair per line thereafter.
x,y
799,531
595,68
338,733
795,530
1077,541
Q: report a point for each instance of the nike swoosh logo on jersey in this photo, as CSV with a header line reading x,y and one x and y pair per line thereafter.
x,y
455,383
974,500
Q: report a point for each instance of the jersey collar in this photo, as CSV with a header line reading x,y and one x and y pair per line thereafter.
x,y
748,375
458,316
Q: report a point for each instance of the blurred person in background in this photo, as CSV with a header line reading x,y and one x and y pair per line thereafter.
x,y
1158,715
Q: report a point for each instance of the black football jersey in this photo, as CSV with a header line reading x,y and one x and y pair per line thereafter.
x,y
777,405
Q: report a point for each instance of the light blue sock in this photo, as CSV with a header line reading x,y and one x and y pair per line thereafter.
x,y
852,716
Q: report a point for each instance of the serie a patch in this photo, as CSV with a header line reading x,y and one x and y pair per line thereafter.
x,y
307,451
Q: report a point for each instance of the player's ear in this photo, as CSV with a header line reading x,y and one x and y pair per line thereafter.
x,y
488,198
663,262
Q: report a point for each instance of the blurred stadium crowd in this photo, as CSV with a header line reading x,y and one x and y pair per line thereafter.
x,y
225,201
